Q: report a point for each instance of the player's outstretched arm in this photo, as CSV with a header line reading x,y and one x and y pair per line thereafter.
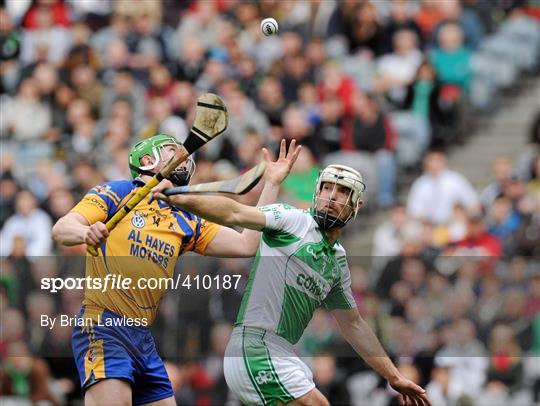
x,y
358,333
218,209
275,173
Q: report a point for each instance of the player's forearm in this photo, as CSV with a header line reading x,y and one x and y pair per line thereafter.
x,y
217,209
68,231
367,345
268,195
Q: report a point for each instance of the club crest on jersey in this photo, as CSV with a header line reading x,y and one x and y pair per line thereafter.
x,y
101,189
264,377
138,221
91,355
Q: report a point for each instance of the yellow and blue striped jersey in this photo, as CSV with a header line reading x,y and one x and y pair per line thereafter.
x,y
145,244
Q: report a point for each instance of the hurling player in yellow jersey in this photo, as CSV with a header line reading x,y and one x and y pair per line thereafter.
x,y
115,351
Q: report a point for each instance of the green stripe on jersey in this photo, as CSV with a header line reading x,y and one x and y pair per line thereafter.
x,y
276,239
247,292
296,312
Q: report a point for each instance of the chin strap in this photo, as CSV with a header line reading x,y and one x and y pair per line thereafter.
x,y
327,221
179,177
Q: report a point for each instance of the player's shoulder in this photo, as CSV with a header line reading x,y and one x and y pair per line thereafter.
x,y
340,253
120,187
115,190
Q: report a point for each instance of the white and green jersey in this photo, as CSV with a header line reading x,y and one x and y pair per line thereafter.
x,y
295,272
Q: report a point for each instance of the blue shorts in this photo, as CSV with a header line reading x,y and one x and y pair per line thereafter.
x,y
120,352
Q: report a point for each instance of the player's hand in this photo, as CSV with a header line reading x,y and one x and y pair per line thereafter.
x,y
157,193
96,234
277,171
411,393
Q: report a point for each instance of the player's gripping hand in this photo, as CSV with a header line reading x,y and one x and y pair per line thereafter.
x,y
96,234
157,193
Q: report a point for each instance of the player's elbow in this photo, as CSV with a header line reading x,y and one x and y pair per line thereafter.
x,y
246,217
66,231
57,233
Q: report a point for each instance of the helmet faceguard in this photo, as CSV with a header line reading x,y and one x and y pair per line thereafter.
x,y
346,177
153,147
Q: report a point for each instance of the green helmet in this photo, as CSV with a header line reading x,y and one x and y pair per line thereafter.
x,y
152,146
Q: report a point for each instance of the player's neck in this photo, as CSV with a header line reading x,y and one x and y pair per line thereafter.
x,y
333,234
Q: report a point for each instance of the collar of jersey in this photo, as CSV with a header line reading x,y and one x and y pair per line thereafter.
x,y
325,240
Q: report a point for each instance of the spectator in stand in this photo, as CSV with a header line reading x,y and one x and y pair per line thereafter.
x,y
297,126
451,59
434,194
515,191
341,22
369,130
161,83
297,70
26,104
25,377
526,158
114,33
87,86
490,300
271,100
428,17
505,371
47,79
10,47
503,223
243,115
533,303
479,246
45,35
514,313
424,100
125,87
8,193
388,237
335,83
502,171
401,14
80,52
29,222
410,253
202,21
473,29
442,389
465,356
146,40
533,186
328,377
367,31
396,70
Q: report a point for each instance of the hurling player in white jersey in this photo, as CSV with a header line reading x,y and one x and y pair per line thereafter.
x,y
299,266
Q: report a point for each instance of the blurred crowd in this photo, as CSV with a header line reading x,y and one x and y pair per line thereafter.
x,y
452,288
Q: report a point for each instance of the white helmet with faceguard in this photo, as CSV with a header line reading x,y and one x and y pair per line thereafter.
x,y
346,177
